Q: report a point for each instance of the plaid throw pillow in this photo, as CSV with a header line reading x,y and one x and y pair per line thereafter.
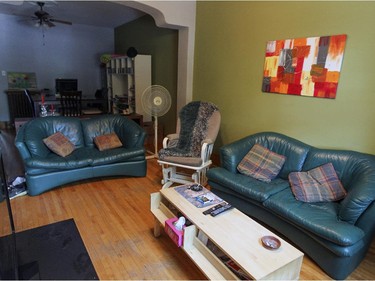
x,y
59,144
108,141
317,185
261,163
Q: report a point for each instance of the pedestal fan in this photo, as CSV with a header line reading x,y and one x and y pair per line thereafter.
x,y
156,101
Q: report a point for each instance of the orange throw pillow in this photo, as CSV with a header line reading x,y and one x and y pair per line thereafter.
x,y
59,144
108,141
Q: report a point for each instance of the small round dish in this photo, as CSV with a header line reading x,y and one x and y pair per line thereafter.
x,y
271,242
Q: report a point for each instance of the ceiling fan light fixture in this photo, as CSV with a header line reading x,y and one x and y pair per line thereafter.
x,y
44,19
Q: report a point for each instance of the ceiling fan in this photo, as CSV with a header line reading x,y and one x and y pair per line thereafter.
x,y
42,18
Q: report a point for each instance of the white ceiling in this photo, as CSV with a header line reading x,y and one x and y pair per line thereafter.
x,y
96,13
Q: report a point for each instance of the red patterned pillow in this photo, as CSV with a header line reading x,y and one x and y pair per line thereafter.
x,y
320,184
261,163
59,144
108,141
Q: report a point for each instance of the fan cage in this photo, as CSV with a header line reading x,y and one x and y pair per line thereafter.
x,y
156,100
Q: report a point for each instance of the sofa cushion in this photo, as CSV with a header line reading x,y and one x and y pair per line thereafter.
x,y
318,218
53,161
128,131
83,157
110,156
317,185
59,144
247,186
30,171
40,128
118,155
108,141
296,151
261,163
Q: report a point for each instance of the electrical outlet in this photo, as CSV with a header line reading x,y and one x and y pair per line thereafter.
x,y
3,73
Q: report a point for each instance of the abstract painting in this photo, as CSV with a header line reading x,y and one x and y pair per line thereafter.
x,y
304,66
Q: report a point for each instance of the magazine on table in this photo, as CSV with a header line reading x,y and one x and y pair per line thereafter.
x,y
199,199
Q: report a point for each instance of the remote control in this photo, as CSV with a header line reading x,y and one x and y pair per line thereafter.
x,y
208,211
221,209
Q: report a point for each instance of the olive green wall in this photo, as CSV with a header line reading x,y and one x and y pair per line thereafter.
x,y
162,45
229,56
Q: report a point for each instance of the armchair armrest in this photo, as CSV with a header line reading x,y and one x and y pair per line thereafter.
x,y
207,148
171,140
208,141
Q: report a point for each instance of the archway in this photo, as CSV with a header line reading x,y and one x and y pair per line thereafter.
x,y
178,15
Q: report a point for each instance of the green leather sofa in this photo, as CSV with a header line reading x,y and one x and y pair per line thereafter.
x,y
45,170
336,235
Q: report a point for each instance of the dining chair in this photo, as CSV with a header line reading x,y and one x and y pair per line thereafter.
x,y
71,103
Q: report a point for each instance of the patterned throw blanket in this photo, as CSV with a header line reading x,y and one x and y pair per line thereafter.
x,y
194,126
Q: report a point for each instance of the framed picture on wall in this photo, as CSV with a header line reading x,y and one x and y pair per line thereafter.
x,y
304,66
22,80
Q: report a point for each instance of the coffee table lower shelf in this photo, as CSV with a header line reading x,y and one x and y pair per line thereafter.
x,y
208,263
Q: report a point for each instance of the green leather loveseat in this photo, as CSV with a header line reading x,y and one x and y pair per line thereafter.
x,y
336,235
45,170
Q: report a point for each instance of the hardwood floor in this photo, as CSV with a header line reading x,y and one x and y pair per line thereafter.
x,y
113,217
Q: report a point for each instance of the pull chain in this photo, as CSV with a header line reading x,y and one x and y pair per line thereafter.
x,y
43,36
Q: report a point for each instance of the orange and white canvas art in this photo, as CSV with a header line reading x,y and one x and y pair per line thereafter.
x,y
304,66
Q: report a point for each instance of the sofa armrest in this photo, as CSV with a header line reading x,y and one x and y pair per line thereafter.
x,y
20,143
366,222
361,194
356,171
131,135
232,154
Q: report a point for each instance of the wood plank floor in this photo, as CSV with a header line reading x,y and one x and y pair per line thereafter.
x,y
113,217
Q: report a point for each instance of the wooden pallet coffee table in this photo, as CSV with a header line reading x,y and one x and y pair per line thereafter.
x,y
234,233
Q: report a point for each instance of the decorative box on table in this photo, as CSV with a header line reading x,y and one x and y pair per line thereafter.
x,y
175,234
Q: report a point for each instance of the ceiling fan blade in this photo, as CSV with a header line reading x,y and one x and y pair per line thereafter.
x,y
61,21
49,23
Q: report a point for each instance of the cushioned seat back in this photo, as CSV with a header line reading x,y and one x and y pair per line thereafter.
x,y
294,150
40,128
213,126
126,129
356,171
211,135
196,122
